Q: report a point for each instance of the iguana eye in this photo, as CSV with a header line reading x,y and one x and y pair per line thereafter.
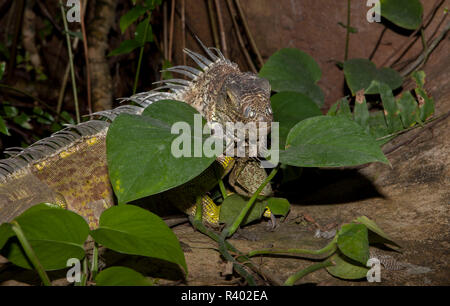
x,y
249,113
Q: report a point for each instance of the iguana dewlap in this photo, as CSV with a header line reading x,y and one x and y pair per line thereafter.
x,y
69,168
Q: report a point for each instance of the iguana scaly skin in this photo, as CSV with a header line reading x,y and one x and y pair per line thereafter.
x,y
69,168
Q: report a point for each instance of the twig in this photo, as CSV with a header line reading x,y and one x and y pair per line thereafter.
x,y
165,38
183,29
249,34
401,50
18,12
417,64
212,20
49,16
347,35
72,69
239,36
172,19
378,43
223,40
86,57
411,139
47,106
141,54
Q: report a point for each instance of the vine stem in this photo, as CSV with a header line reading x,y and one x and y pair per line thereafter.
x,y
327,250
229,231
30,253
295,277
141,53
72,70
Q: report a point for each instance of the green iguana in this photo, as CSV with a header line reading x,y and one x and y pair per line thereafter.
x,y
69,168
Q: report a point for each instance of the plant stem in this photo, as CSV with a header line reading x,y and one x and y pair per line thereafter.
x,y
295,277
227,232
141,53
327,250
94,268
224,246
72,70
347,38
223,190
30,253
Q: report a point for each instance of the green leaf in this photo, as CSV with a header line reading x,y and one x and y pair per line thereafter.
x,y
132,230
67,117
167,75
23,120
426,104
419,78
121,276
3,127
131,16
125,47
6,232
353,241
409,110
359,74
139,151
278,206
328,141
342,108
55,235
345,268
289,108
361,112
391,111
232,206
140,32
2,69
294,70
10,111
372,226
404,13
377,126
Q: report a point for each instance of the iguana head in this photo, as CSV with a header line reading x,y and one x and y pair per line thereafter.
x,y
245,98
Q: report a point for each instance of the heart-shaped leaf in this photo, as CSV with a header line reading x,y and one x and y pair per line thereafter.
x,y
289,108
294,70
278,206
371,225
232,206
353,241
55,235
121,276
329,141
359,74
404,13
132,230
346,269
139,150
